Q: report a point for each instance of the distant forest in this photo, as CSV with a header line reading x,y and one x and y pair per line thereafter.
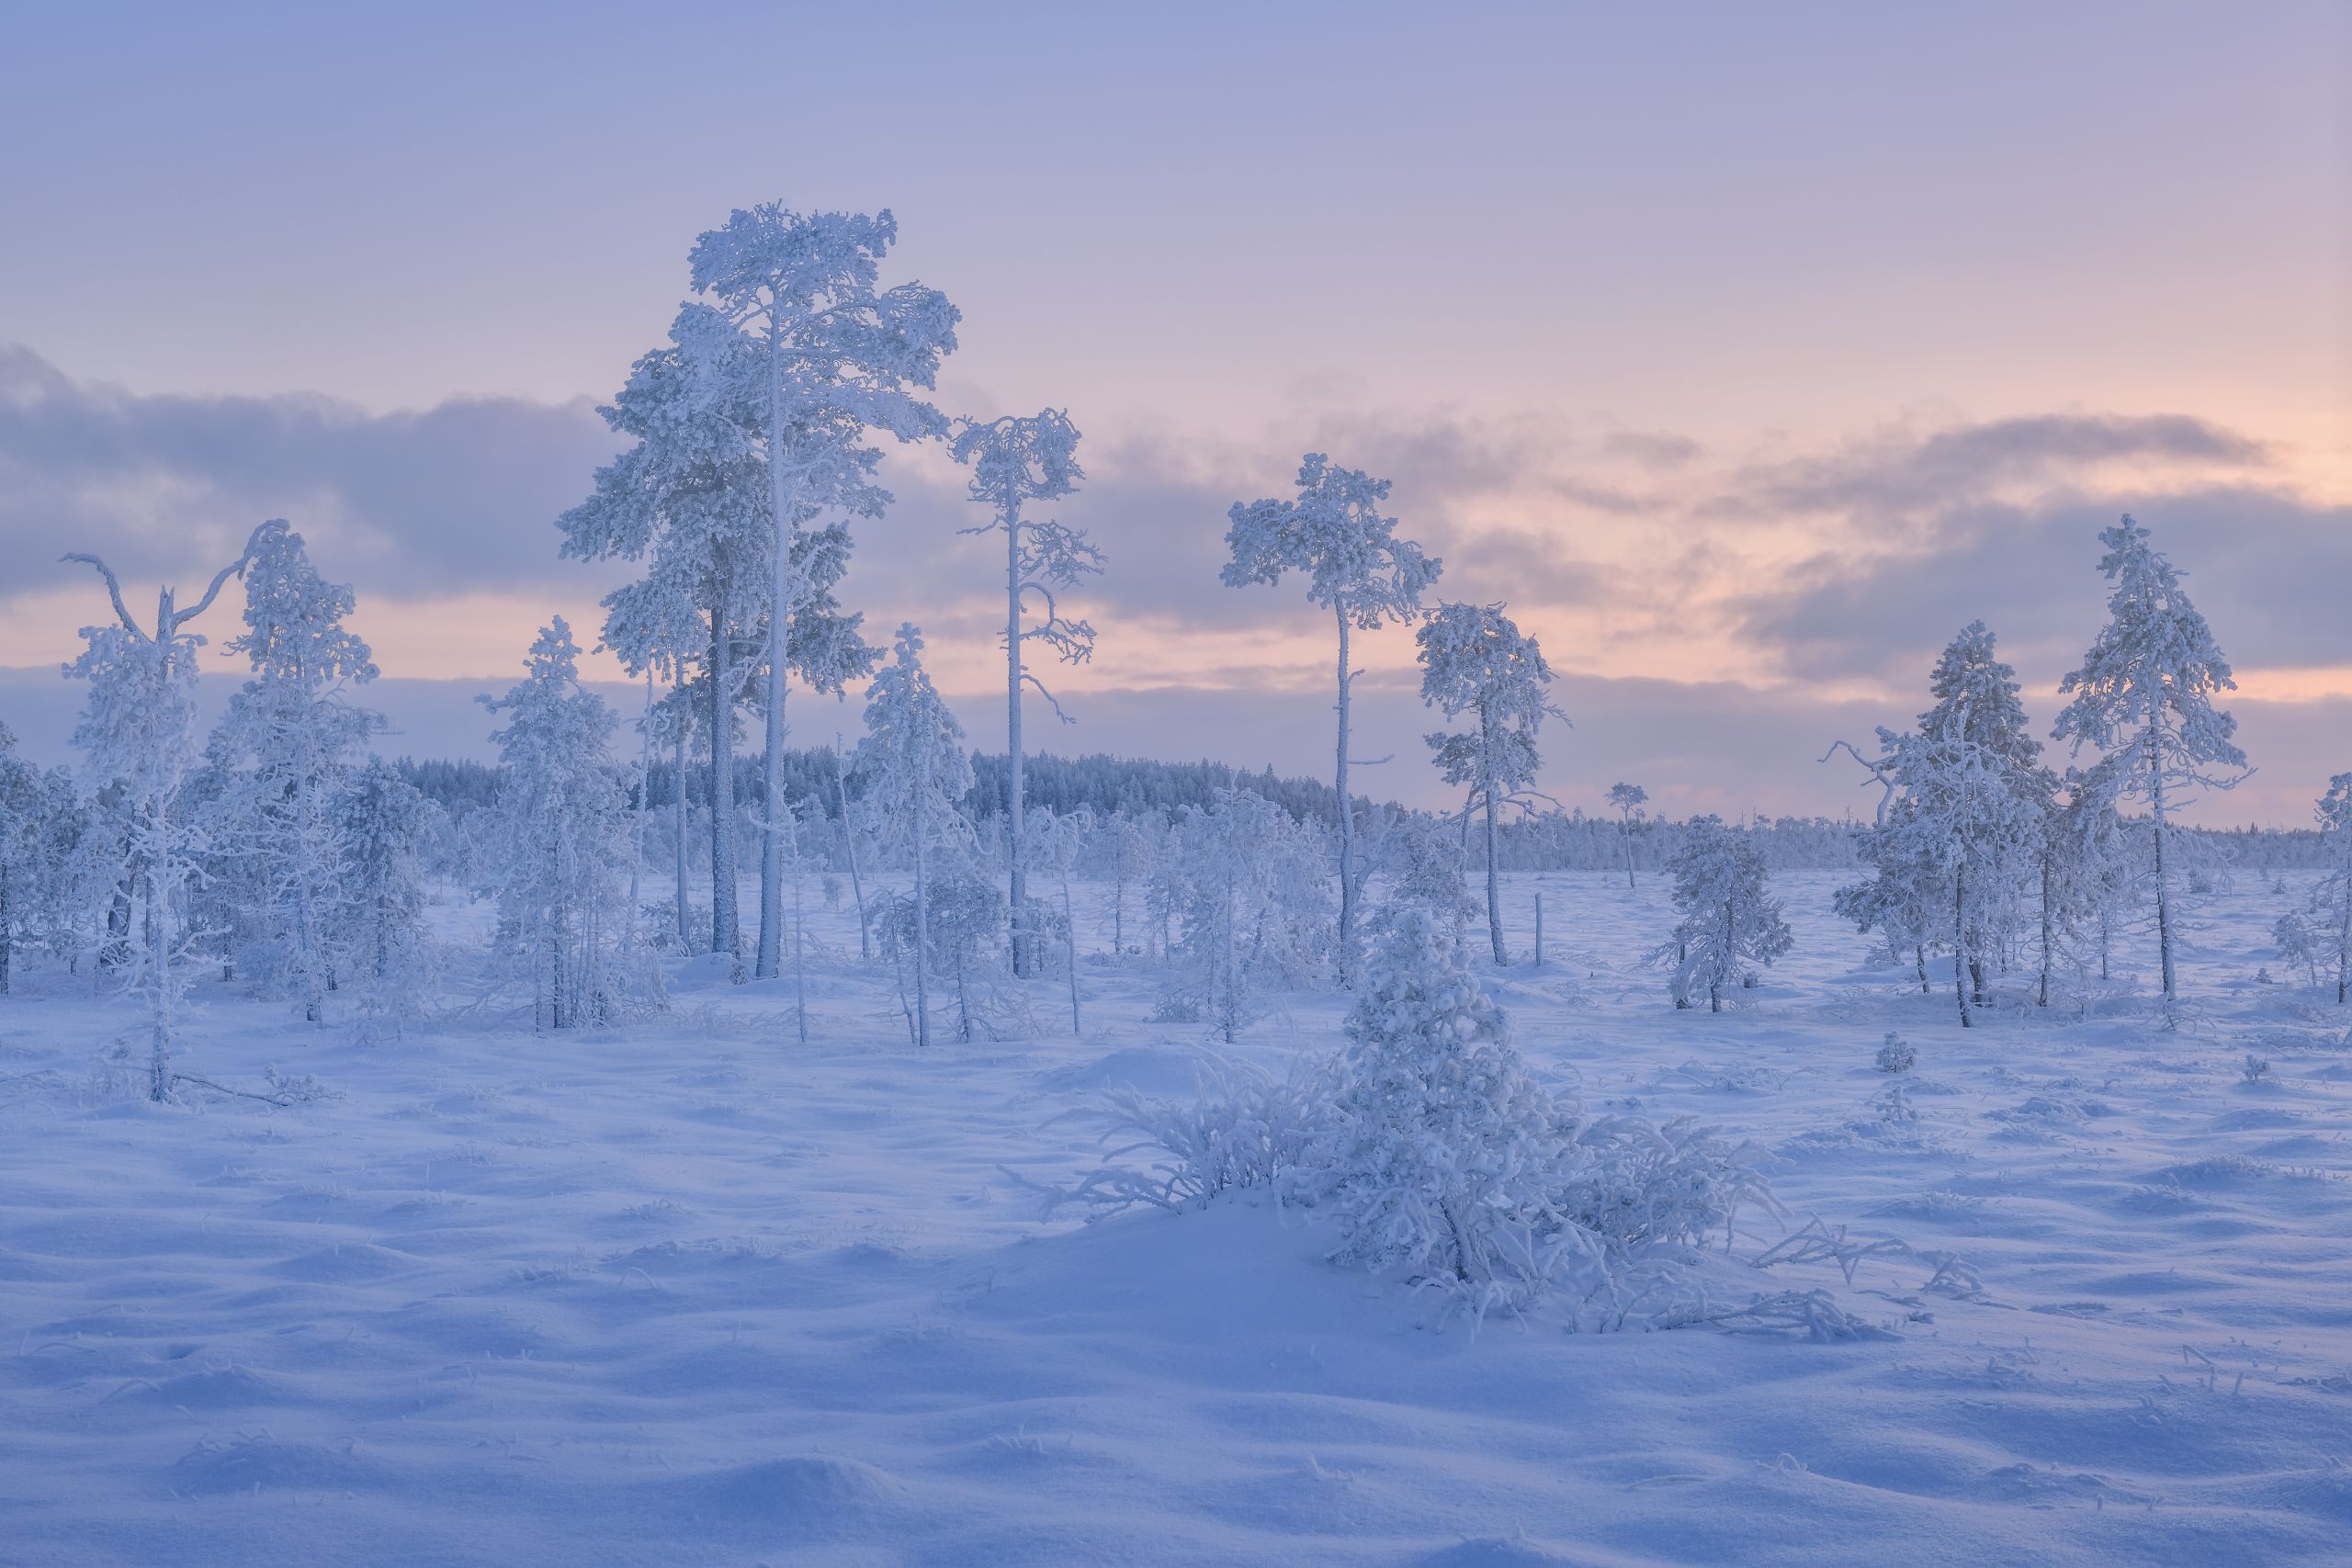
x,y
1139,786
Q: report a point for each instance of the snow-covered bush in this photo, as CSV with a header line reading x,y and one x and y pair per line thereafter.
x,y
1442,1162
1896,1054
1245,882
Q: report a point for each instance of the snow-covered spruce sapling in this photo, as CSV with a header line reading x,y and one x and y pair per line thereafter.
x,y
284,749
560,834
1627,800
1475,660
137,736
2144,696
1426,869
1356,567
1440,1159
838,355
914,769
1896,1054
1017,460
1730,924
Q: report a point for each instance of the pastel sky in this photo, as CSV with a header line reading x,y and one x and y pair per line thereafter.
x,y
1747,351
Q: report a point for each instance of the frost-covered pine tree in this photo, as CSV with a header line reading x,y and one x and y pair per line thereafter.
x,y
285,748
839,354
558,838
914,769
1015,460
1628,800
689,498
1961,830
137,736
1356,567
2144,695
1730,925
1475,660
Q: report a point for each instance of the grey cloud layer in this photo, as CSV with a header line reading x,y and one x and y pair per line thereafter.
x,y
459,496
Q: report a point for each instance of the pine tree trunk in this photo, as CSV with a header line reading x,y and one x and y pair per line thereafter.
x,y
1017,872
1627,837
1494,884
723,928
1347,826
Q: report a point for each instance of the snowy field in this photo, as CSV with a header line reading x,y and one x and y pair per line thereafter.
x,y
691,1292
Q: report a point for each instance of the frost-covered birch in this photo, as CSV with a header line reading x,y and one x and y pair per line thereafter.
x,y
1016,460
1476,660
2144,695
1356,567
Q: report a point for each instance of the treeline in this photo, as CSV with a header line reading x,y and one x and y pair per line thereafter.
x,y
1145,788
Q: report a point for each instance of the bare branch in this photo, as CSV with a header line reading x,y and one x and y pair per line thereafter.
x,y
114,590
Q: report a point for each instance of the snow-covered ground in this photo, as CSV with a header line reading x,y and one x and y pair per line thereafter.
x,y
692,1292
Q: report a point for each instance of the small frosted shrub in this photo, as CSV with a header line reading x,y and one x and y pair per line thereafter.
x,y
1896,1054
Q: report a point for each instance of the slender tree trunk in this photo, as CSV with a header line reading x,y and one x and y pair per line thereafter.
x,y
1919,965
1960,946
782,600
723,937
2049,935
1627,838
1016,872
922,899
1347,825
6,943
678,833
2156,802
799,966
849,841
